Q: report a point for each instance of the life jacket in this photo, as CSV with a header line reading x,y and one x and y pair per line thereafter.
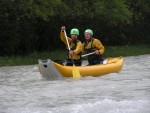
x,y
88,48
73,45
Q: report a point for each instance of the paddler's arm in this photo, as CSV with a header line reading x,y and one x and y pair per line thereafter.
x,y
99,46
62,36
78,48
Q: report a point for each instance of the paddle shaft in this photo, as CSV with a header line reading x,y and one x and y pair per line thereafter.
x,y
68,45
88,54
67,40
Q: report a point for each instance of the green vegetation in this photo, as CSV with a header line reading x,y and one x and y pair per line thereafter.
x,y
112,51
31,58
34,25
127,50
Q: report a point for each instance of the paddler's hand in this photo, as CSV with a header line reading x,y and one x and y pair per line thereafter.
x,y
97,52
71,52
63,28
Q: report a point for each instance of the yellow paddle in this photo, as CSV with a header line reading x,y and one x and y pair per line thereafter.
x,y
75,71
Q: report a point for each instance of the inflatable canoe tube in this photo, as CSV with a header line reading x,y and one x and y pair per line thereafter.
x,y
50,68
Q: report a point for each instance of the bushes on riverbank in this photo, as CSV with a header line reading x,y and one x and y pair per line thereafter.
x,y
111,51
34,25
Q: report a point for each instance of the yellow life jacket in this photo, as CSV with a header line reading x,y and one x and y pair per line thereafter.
x,y
88,46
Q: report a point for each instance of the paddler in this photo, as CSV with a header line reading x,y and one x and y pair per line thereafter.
x,y
74,55
93,45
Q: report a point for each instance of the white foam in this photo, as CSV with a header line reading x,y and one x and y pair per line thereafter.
x,y
108,106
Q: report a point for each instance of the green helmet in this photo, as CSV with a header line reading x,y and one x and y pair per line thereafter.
x,y
74,31
88,31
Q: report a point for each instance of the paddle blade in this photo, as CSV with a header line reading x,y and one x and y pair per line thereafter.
x,y
75,72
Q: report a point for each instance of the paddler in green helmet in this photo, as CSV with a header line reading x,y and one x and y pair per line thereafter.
x,y
93,45
75,46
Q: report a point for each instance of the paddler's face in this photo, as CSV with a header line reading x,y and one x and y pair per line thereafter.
x,y
74,36
88,36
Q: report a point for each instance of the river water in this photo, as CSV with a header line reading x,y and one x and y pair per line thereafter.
x,y
22,90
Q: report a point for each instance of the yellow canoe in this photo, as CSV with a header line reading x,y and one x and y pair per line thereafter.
x,y
113,65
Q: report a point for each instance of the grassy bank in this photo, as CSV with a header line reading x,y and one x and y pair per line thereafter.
x,y
112,51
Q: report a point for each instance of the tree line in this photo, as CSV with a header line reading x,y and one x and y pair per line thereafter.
x,y
34,25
